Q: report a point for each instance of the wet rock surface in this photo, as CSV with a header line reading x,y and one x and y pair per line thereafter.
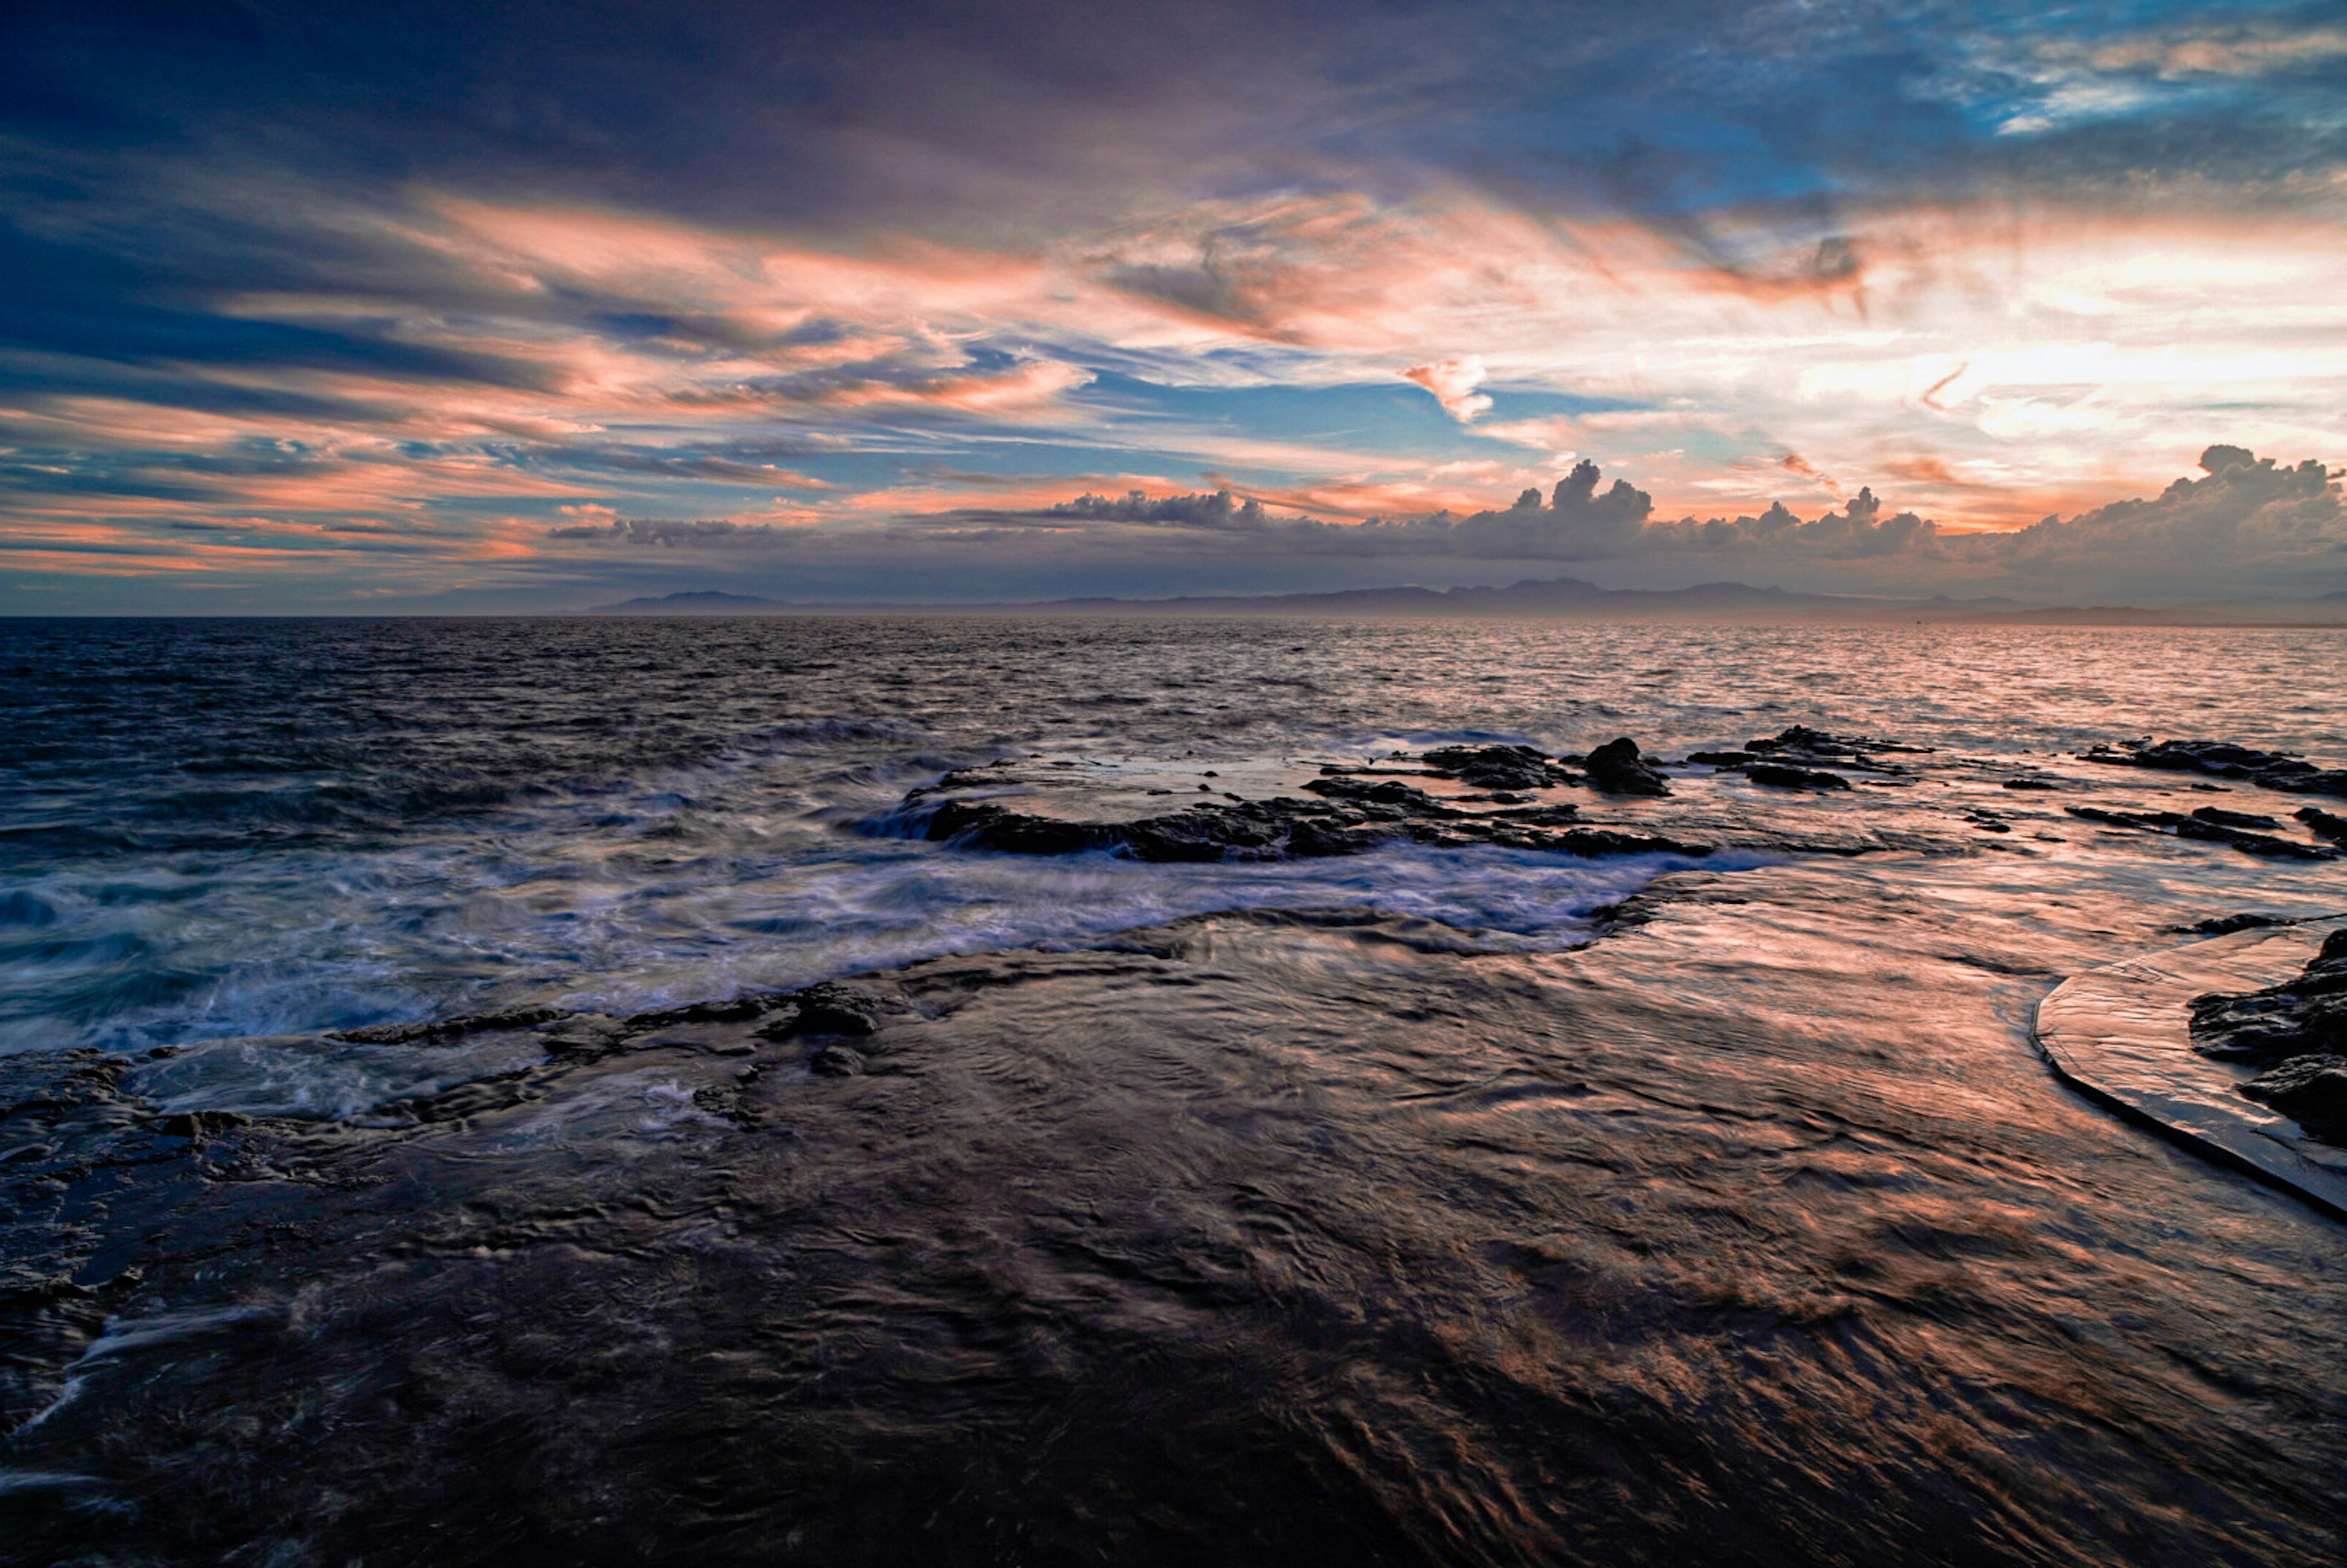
x,y
2226,760
1316,1238
2296,1033
2323,824
1516,796
2211,827
1506,767
1618,768
2306,1014
1786,777
1339,811
2312,1090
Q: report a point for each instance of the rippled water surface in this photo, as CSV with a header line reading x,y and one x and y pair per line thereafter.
x,y
1391,1219
223,828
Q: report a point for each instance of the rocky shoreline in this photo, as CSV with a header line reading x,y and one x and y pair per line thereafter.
x,y
1514,796
2295,1034
1288,1236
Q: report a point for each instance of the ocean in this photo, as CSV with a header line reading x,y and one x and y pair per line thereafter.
x,y
1450,1202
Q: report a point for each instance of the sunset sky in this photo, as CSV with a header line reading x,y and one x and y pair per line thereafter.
x,y
491,306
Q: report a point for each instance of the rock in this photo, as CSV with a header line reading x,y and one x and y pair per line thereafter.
x,y
439,1031
2225,759
2196,826
198,1125
1721,759
2311,1090
2224,818
2226,925
1560,815
1786,777
2030,783
582,1032
837,1061
1203,833
735,1009
2302,1016
1385,792
1591,842
1312,839
2322,823
828,1008
983,825
1818,744
1499,767
1616,768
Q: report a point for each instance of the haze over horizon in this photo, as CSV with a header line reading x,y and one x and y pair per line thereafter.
x,y
526,306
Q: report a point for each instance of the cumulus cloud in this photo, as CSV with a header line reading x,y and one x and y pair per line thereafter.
x,y
1453,383
2247,527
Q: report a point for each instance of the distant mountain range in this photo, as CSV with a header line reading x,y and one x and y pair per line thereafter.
x,y
1562,596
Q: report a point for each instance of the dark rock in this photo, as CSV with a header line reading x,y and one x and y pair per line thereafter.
x,y
2195,827
2311,1090
1200,834
829,1008
1499,767
1560,815
1785,777
1385,792
2226,925
1312,839
2323,824
837,1061
2302,1016
1592,842
2224,818
1616,768
2030,783
2224,759
1721,759
735,1009
439,1031
198,1125
982,824
583,1032
1818,744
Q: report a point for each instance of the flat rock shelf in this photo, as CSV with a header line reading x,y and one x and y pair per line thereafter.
x,y
2120,1035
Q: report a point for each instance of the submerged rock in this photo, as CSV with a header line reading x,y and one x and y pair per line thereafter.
x,y
837,1061
2223,818
1616,768
1348,813
1499,767
1786,777
2302,1016
2323,824
828,1008
1818,744
2226,925
2225,759
440,1031
1385,792
2311,1090
2196,826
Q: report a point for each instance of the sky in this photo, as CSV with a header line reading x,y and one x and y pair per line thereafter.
x,y
425,306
